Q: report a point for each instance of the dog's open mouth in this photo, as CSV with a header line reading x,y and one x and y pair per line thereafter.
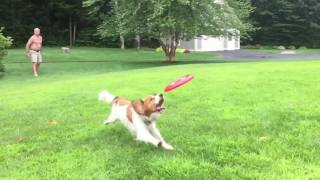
x,y
160,109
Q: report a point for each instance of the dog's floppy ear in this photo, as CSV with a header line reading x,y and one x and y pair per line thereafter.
x,y
138,106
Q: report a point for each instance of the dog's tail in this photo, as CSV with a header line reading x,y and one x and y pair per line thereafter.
x,y
105,96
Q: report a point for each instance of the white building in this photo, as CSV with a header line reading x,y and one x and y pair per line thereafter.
x,y
207,43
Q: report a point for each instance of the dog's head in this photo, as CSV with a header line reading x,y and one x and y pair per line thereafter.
x,y
151,106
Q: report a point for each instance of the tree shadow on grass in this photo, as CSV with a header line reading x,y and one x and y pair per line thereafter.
x,y
106,66
154,62
151,64
183,62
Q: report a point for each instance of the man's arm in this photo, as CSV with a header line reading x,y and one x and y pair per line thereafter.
x,y
28,45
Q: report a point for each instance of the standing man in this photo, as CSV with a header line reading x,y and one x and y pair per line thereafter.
x,y
33,50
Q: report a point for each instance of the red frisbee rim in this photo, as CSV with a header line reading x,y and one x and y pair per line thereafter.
x,y
178,83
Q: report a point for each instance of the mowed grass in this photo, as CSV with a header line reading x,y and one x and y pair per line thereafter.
x,y
257,120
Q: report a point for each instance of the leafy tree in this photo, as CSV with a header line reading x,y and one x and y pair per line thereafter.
x,y
172,20
70,10
52,16
107,16
5,42
243,9
116,23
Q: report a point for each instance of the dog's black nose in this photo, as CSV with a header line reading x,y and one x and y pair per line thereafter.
x,y
161,95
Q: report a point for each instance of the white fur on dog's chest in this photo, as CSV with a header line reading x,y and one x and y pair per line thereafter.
x,y
148,120
137,121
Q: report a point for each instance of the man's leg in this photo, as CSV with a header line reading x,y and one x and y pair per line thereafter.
x,y
39,60
33,57
34,69
38,66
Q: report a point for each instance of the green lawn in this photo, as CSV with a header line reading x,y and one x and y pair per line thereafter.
x,y
257,120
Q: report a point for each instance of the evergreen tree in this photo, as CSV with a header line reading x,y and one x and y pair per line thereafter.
x,y
286,22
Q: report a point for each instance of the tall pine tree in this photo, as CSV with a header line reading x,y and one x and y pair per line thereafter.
x,y
286,22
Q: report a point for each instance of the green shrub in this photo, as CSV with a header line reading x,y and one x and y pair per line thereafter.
x,y
281,48
159,49
178,50
248,47
302,48
5,42
258,46
292,47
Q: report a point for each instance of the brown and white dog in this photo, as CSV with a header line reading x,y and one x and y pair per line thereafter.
x,y
139,117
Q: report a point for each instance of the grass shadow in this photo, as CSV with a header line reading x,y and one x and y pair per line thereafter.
x,y
117,137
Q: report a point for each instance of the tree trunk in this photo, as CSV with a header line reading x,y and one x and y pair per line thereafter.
x,y
172,57
165,48
122,42
74,33
313,43
170,53
169,46
70,31
137,38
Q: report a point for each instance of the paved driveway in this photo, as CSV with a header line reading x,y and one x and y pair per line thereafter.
x,y
247,54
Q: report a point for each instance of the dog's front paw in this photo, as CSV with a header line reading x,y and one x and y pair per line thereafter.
x,y
167,146
106,122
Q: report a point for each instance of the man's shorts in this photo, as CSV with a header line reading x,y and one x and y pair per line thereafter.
x,y
36,56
